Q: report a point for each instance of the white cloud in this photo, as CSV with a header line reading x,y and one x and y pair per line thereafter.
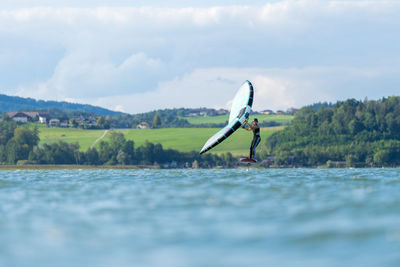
x,y
82,76
274,88
143,58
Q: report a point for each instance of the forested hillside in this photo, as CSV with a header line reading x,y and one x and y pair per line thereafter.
x,y
162,118
362,133
15,103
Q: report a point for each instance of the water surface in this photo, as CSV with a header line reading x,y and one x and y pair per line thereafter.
x,y
268,217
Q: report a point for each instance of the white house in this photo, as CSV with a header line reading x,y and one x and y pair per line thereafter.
x,y
143,125
64,123
267,112
54,122
28,116
42,119
19,116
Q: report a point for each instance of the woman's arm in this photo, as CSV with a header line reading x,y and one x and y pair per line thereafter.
x,y
250,128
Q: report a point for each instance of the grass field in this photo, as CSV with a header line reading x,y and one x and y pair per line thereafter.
x,y
84,137
182,139
284,119
188,139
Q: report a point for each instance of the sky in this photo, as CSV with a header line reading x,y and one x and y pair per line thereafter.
x,y
138,56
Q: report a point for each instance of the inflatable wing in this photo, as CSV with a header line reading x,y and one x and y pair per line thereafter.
x,y
241,107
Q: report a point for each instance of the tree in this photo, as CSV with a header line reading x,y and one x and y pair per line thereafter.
x,y
156,121
107,122
351,160
7,127
63,153
129,150
381,157
3,153
122,157
92,156
106,155
12,150
117,142
101,122
195,164
26,136
73,123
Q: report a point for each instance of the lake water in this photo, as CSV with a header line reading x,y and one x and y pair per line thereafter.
x,y
259,217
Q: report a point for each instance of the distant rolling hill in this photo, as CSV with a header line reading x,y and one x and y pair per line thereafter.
x,y
15,103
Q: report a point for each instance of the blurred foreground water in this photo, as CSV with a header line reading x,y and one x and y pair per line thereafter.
x,y
260,217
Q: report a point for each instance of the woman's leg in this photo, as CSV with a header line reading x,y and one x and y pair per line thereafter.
x,y
254,144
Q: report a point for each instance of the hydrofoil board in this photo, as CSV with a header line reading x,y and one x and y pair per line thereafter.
x,y
248,160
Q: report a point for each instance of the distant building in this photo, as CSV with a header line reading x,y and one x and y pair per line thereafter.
x,y
20,117
43,119
54,122
280,112
195,114
64,123
222,111
143,125
92,121
267,112
28,116
86,121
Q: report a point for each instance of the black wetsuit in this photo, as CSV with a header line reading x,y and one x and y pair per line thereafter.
x,y
255,142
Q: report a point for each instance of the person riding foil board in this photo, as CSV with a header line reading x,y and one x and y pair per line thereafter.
x,y
256,137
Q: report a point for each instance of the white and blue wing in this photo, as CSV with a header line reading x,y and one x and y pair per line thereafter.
x,y
241,107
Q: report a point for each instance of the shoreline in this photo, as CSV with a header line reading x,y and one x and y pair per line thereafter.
x,y
154,167
73,167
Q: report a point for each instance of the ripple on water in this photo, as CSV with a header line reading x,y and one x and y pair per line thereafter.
x,y
196,217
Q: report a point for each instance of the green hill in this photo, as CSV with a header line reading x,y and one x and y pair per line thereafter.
x,y
15,103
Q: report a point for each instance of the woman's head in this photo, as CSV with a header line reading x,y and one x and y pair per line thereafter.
x,y
255,121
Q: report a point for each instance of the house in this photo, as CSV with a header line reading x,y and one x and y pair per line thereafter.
x,y
143,125
280,112
43,119
19,116
267,112
222,112
86,121
91,121
28,116
54,122
79,120
64,123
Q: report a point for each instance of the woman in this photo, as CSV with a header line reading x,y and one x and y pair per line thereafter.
x,y
256,137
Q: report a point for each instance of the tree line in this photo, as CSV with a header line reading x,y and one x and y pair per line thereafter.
x,y
20,145
359,133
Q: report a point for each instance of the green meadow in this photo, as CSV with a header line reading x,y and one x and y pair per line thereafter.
x,y
70,135
283,119
182,139
189,139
